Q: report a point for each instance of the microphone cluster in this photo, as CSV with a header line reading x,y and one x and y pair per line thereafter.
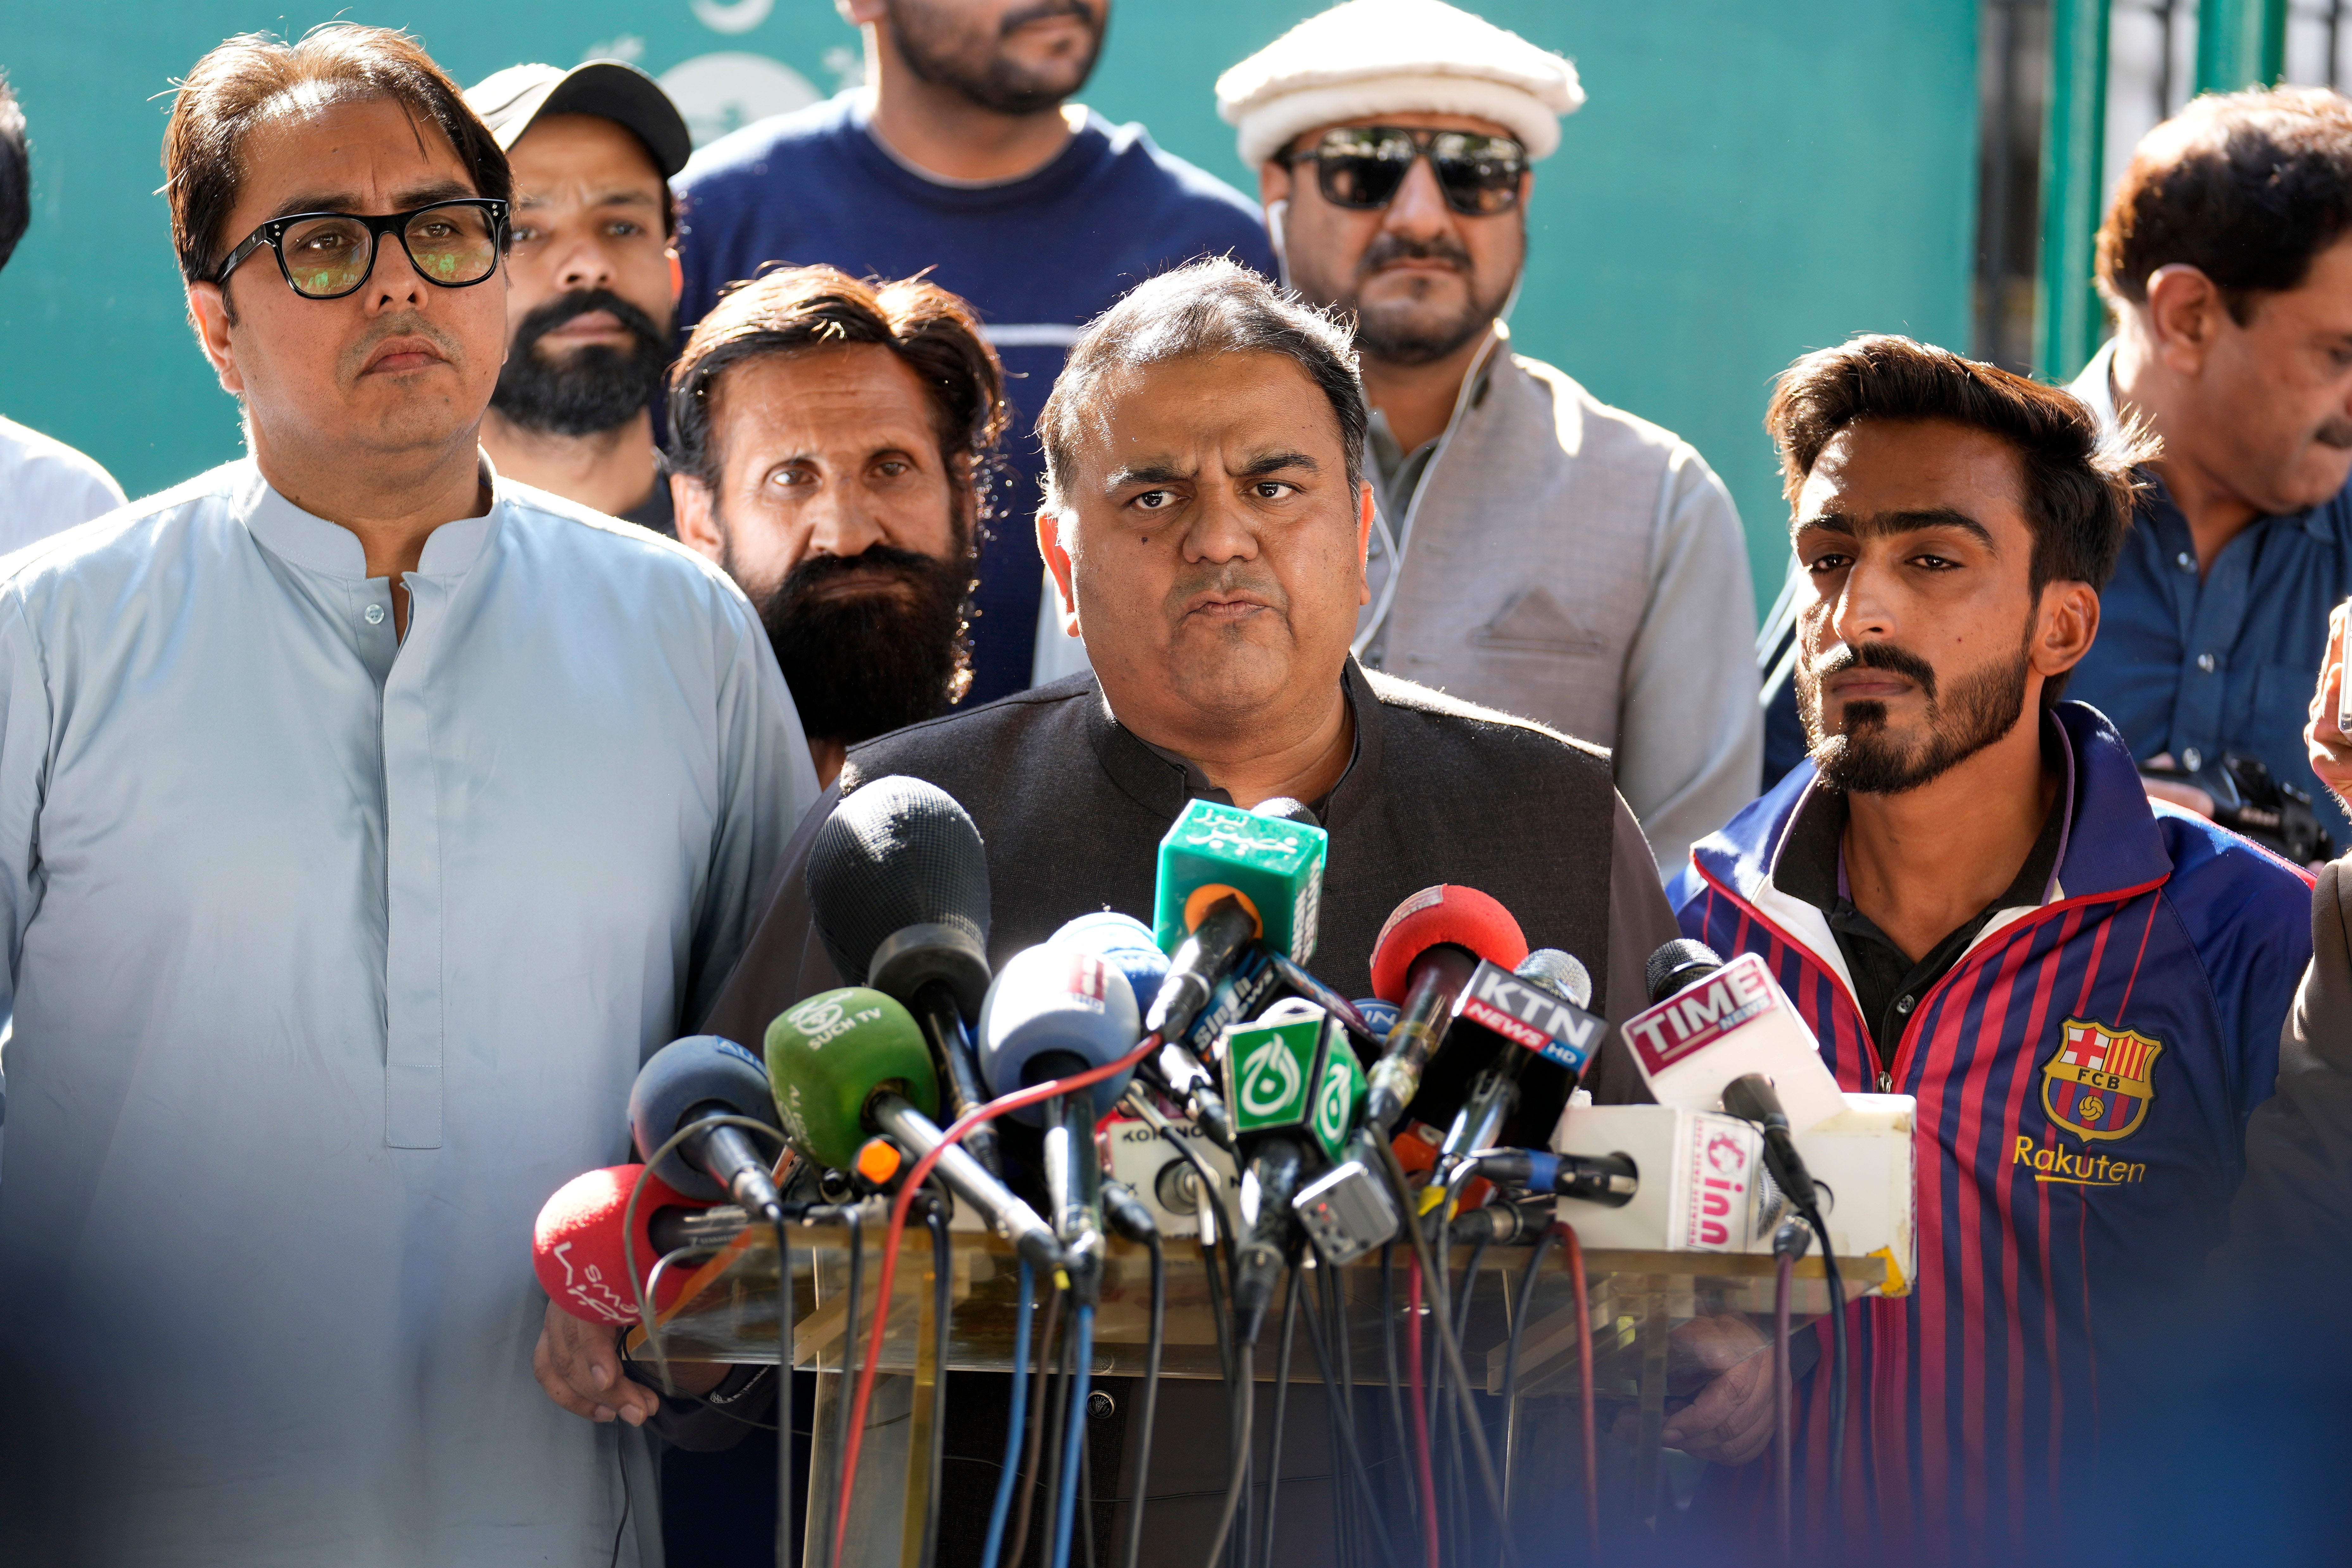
x,y
1204,1025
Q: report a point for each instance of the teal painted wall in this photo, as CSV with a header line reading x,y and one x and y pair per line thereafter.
x,y
1750,179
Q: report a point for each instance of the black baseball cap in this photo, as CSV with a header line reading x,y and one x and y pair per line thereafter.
x,y
509,101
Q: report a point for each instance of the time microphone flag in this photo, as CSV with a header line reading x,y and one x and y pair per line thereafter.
x,y
1712,1022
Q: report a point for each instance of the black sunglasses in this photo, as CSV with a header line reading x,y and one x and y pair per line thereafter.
x,y
325,256
1362,166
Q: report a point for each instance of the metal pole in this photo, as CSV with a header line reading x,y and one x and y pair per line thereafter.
x,y
2067,312
2239,43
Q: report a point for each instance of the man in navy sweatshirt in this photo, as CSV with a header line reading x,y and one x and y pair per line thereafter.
x,y
961,155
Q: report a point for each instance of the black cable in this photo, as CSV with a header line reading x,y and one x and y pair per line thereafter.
x,y
1025,1492
1836,1487
1281,1409
1201,1173
620,1530
1344,1419
1344,1397
1238,1480
1153,1344
1343,1497
1228,1356
1395,1391
1057,1403
943,1303
784,1396
1218,1317
855,1225
1444,1419
1544,1243
1783,1450
1470,1276
1449,1347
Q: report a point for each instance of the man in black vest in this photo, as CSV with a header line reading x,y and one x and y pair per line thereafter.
x,y
1205,525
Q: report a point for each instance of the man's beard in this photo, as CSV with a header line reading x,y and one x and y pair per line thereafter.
x,y
1399,331
1982,706
945,54
860,666
591,389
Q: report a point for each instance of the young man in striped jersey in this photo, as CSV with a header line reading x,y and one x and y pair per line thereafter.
x,y
1972,900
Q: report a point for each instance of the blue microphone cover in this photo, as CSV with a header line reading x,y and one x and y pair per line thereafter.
x,y
1380,1016
1125,943
700,1070
1050,1000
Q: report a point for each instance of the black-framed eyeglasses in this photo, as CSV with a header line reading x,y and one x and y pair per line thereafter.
x,y
325,256
1362,167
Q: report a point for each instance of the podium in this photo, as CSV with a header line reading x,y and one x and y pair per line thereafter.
x,y
1640,1302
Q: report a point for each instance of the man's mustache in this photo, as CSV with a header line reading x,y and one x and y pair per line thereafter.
x,y
1234,577
1016,20
568,307
2336,433
1388,247
407,324
884,561
1877,656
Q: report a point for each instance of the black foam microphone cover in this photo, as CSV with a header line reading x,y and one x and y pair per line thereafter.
x,y
896,852
1676,964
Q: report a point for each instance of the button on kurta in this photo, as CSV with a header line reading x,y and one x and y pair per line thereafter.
x,y
375,615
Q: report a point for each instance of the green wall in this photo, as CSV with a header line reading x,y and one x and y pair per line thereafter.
x,y
1750,179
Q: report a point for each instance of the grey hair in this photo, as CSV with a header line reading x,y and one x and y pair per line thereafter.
x,y
1204,309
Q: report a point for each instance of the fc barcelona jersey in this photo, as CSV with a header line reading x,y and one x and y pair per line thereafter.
x,y
2084,1073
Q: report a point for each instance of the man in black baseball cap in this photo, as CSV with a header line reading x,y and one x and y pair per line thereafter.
x,y
595,281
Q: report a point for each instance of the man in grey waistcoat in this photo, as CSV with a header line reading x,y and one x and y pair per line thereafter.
x,y
1535,550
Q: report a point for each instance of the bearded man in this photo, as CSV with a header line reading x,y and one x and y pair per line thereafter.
x,y
1971,899
830,440
963,159
595,281
1534,549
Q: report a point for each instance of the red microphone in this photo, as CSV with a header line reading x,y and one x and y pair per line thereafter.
x,y
1425,953
576,1244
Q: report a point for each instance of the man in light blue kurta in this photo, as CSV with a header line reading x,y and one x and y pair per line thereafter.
x,y
337,922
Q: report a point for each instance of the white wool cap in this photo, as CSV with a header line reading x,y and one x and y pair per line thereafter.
x,y
1396,57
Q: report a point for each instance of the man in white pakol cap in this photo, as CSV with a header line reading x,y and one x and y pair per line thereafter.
x,y
1561,559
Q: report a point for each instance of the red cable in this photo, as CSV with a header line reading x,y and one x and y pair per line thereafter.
x,y
1421,1422
1573,1252
907,1190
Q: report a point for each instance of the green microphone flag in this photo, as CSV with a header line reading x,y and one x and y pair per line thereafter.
x,y
1298,1075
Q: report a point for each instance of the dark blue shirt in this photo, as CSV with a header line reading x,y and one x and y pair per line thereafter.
x,y
2199,667
1037,258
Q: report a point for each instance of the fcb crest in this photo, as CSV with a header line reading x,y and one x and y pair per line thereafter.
x,y
2098,1083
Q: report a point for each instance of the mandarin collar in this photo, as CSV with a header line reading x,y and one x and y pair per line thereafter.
x,y
315,545
1146,775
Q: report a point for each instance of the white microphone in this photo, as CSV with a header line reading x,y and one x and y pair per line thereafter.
x,y
1712,1023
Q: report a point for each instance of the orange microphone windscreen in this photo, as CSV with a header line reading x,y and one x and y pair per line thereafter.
x,y
1463,917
